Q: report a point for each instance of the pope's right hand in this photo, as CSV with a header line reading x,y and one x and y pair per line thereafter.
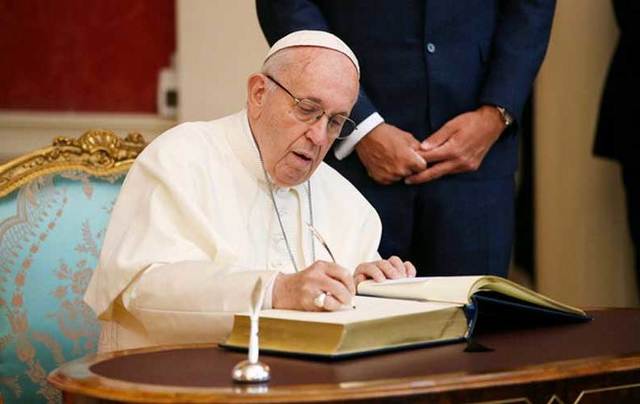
x,y
389,154
298,291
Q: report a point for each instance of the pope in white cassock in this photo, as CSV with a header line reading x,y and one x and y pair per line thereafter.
x,y
210,207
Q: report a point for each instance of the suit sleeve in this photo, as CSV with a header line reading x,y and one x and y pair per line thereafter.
x,y
518,48
280,17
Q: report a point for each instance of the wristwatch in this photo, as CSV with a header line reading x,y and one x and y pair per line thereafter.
x,y
507,119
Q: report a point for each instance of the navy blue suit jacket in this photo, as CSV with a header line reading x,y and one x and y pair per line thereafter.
x,y
425,61
617,133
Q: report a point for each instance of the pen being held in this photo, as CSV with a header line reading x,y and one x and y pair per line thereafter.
x,y
319,300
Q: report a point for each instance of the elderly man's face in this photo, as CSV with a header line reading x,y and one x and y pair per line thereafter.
x,y
293,149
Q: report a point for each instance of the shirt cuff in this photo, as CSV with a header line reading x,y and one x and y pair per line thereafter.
x,y
347,145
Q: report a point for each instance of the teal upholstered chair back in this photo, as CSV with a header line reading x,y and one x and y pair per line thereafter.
x,y
54,208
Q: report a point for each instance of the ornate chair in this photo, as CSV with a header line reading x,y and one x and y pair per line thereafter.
x,y
54,207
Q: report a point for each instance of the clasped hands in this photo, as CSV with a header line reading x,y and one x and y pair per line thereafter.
x,y
297,291
391,154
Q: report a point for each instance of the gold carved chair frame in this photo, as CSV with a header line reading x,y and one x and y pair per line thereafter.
x,y
96,152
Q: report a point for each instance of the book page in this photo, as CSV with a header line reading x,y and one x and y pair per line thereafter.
x,y
451,289
506,287
367,308
457,289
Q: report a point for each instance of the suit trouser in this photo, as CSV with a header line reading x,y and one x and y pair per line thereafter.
x,y
454,225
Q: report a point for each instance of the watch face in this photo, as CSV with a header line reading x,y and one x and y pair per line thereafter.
x,y
506,117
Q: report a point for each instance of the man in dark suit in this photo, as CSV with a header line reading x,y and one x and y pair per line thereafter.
x,y
617,135
442,89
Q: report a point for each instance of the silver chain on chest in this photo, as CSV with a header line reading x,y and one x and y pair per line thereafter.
x,y
275,207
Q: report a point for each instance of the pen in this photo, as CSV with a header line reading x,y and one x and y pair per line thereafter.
x,y
318,237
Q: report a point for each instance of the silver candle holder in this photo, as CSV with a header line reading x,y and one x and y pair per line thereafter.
x,y
252,370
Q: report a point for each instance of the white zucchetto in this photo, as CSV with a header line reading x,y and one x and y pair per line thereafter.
x,y
320,39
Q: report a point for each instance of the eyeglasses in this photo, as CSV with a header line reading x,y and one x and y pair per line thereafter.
x,y
338,127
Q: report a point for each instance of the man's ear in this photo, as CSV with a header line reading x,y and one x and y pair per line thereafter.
x,y
256,92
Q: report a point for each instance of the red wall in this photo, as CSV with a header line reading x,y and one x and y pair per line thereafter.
x,y
84,55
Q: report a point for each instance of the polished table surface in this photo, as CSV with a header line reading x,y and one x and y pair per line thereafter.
x,y
533,365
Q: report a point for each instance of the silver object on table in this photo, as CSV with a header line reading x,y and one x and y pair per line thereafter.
x,y
252,370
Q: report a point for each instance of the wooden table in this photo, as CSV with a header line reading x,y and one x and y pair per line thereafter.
x,y
598,361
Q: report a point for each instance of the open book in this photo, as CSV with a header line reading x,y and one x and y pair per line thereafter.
x,y
396,314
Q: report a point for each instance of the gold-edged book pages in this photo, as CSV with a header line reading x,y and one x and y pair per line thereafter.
x,y
459,290
375,324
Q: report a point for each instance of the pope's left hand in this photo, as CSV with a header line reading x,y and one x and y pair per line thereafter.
x,y
393,268
460,145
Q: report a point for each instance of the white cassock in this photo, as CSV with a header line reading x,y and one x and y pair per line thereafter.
x,y
194,227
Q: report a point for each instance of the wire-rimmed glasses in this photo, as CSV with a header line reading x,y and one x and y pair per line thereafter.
x,y
338,126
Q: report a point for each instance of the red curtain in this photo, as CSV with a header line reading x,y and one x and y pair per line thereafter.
x,y
84,55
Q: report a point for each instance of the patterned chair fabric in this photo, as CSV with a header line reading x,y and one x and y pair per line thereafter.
x,y
51,229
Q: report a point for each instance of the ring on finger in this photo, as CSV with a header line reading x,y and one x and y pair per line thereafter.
x,y
319,300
